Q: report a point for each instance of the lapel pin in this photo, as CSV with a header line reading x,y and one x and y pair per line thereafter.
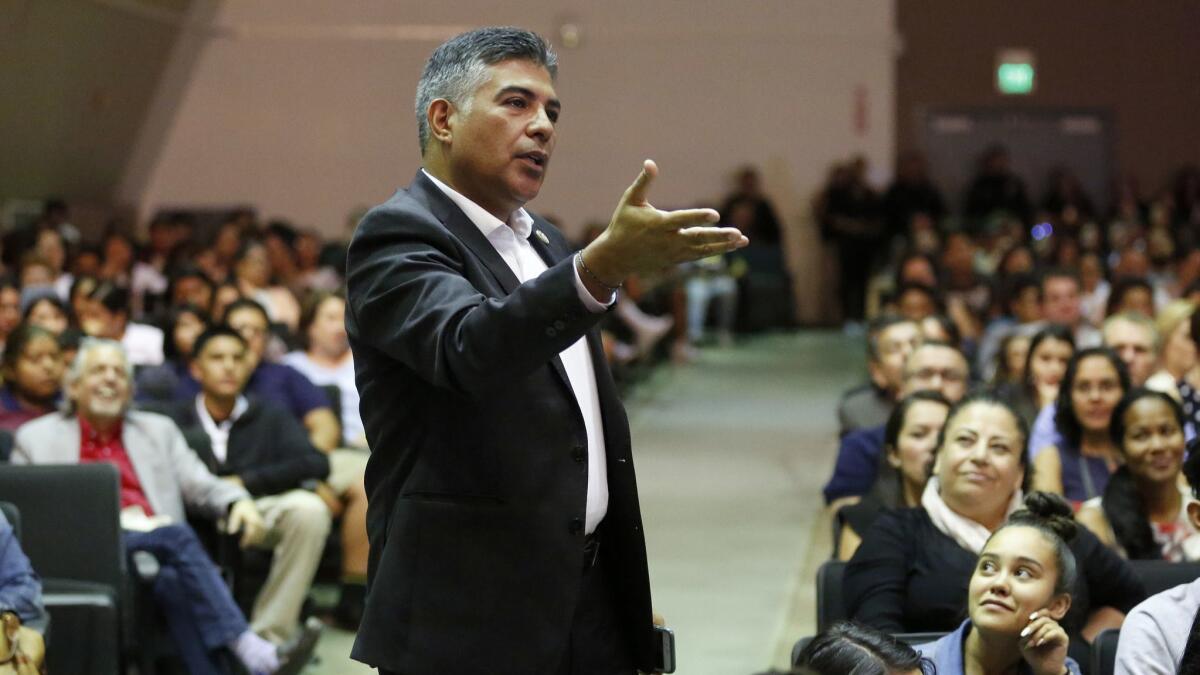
x,y
542,235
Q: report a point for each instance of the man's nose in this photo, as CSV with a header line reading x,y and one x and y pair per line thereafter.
x,y
540,126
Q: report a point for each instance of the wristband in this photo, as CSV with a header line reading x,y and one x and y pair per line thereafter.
x,y
584,267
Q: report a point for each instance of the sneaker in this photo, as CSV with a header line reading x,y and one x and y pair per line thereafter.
x,y
297,653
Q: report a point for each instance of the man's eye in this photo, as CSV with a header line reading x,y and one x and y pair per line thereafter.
x,y
553,115
516,102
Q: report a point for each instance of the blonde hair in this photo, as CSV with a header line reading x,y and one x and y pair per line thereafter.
x,y
1169,318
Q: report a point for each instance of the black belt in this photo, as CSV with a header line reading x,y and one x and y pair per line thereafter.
x,y
591,550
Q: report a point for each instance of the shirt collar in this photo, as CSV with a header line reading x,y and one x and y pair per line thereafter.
x,y
239,409
520,221
91,434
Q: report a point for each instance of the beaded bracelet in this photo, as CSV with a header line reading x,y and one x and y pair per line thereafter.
x,y
590,273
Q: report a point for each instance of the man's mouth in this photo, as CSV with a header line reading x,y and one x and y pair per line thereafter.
x,y
536,157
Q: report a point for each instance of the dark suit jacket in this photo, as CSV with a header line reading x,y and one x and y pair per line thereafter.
x,y
478,477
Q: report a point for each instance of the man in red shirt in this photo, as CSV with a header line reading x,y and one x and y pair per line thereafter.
x,y
159,474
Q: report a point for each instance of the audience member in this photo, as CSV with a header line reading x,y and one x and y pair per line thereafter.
x,y
1079,466
23,617
117,262
190,286
1094,288
105,315
51,249
326,359
912,193
10,307
934,366
49,312
159,476
1188,386
1144,510
1162,634
1050,350
890,340
1021,310
1060,304
1132,295
908,441
848,212
261,447
909,572
1010,360
1019,592
763,226
252,272
1177,352
32,367
996,191
846,647
1134,338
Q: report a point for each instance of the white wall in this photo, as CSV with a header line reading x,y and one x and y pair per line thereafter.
x,y
304,107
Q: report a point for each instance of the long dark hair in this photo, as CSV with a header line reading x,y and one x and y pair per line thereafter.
x,y
847,648
1053,331
1122,502
1064,411
888,487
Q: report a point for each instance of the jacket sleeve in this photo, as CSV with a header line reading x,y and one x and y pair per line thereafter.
x,y
294,459
856,467
20,588
409,297
201,490
876,579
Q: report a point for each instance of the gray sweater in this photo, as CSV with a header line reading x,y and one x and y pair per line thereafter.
x,y
1155,632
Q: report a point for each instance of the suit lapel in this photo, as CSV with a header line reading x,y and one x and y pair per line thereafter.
x,y
140,450
461,226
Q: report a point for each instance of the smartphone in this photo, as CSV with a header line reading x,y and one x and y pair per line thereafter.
x,y
664,642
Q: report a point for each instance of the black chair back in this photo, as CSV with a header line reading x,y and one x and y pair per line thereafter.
x,y
71,518
13,515
831,607
1104,652
1159,575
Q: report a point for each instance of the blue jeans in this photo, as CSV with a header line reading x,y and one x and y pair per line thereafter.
x,y
200,612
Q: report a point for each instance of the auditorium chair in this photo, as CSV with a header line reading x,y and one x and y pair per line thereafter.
x,y
831,607
1104,652
1159,575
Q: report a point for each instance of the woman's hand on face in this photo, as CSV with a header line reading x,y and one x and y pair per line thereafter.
x,y
1044,645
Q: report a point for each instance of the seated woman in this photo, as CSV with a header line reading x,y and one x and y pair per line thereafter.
x,y
909,437
49,312
1144,510
327,361
157,384
911,571
1162,635
1079,466
849,648
1018,594
1045,363
32,367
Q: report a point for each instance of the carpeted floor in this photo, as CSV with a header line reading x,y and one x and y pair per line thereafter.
x,y
731,453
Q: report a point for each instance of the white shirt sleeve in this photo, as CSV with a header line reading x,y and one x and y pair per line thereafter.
x,y
593,305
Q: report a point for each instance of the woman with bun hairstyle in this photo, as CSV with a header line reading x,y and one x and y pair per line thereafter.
x,y
1019,592
913,568
1079,465
909,438
1162,635
845,647
1144,510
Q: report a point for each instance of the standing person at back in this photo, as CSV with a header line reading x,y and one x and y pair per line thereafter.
x,y
505,530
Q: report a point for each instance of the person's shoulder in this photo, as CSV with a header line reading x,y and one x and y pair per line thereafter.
x,y
151,421
48,423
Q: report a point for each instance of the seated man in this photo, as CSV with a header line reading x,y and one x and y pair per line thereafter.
x,y
257,445
159,476
890,339
934,366
22,616
343,491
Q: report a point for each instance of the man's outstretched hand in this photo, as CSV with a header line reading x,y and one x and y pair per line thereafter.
x,y
641,238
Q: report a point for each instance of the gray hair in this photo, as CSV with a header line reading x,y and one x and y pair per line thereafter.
x,y
86,346
459,66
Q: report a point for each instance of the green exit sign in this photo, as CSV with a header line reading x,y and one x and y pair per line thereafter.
x,y
1015,72
1014,78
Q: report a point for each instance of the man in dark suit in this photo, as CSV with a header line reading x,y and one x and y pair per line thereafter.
x,y
503,514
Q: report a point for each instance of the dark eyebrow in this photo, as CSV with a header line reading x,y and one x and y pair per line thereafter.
x,y
1030,561
527,93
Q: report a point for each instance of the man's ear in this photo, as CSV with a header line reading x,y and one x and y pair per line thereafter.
x,y
876,373
1059,605
440,117
1193,511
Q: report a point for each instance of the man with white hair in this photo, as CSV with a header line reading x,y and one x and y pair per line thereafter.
x,y
159,474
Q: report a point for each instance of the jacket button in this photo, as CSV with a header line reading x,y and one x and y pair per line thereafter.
x,y
550,332
576,526
560,325
579,453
